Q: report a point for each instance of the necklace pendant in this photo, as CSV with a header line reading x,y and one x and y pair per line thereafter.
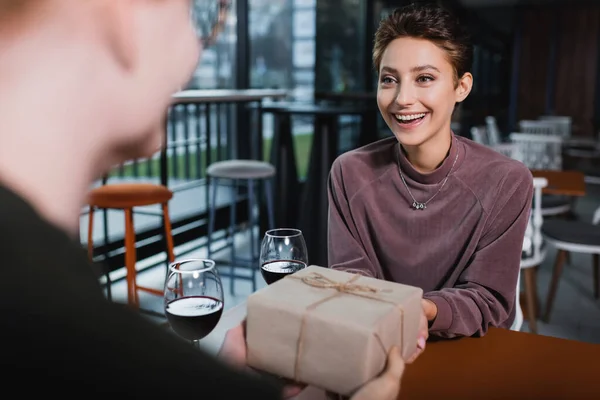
x,y
418,206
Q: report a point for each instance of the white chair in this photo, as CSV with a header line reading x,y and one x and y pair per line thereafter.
x,y
494,134
479,135
488,136
518,322
507,149
532,256
540,151
538,127
572,236
563,124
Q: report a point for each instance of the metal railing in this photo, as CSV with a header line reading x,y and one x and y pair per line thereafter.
x,y
201,127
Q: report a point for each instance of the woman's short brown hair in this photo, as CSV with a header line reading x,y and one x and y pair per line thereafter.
x,y
431,22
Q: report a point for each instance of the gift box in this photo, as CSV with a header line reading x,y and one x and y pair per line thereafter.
x,y
330,329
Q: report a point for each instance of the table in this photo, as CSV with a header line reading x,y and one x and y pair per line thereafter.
x,y
306,208
501,365
504,365
583,142
584,159
229,95
565,183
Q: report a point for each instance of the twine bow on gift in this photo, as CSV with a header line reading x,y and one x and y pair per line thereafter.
x,y
318,280
321,281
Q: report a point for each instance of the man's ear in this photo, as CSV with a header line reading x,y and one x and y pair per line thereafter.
x,y
465,84
116,22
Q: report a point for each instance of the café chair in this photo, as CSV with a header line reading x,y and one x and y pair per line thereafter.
x,y
518,322
126,196
572,236
479,135
563,123
543,151
539,127
494,134
533,255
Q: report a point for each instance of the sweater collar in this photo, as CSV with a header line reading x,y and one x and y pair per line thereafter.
x,y
435,176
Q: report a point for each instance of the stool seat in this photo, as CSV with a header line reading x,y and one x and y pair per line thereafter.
x,y
241,169
125,197
128,195
573,232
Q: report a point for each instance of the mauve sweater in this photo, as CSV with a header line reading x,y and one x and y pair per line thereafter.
x,y
463,250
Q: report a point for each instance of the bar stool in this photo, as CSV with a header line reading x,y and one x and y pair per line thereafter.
x,y
126,196
235,171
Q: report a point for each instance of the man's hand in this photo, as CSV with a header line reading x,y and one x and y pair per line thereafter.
x,y
387,385
234,351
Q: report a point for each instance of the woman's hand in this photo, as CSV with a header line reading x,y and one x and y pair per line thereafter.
x,y
429,310
234,351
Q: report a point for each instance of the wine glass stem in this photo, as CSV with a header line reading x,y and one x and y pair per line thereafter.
x,y
195,343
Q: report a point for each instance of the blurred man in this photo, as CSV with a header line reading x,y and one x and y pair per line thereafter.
x,y
84,86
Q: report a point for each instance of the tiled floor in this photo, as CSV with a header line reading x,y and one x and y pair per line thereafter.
x,y
576,313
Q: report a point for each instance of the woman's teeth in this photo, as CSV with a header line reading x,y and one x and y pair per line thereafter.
x,y
408,118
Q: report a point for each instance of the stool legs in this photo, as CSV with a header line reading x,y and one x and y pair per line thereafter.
x,y
270,209
232,215
596,266
531,296
168,234
251,200
130,257
252,222
214,183
90,243
90,235
558,267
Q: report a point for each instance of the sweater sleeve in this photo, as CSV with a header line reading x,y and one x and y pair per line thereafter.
x,y
345,249
485,292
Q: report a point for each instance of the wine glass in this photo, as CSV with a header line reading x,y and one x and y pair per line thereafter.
x,y
193,298
283,252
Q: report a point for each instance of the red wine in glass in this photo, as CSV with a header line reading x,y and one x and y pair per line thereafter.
x,y
194,317
193,300
272,271
282,252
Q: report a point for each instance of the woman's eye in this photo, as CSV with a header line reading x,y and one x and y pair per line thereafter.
x,y
424,79
387,80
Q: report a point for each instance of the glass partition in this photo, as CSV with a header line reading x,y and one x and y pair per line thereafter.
x,y
217,68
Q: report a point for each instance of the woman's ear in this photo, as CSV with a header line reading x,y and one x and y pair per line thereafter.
x,y
465,84
117,25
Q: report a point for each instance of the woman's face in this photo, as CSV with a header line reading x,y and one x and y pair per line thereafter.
x,y
417,90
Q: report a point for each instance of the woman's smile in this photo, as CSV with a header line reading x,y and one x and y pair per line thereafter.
x,y
409,121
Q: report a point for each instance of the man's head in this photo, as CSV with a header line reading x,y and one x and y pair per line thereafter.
x,y
127,56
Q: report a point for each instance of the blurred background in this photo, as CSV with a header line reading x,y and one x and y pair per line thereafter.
x,y
290,83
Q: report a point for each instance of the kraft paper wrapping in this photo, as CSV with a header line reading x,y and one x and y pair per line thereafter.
x,y
330,329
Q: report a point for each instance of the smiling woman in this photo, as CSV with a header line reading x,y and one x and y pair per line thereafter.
x,y
428,208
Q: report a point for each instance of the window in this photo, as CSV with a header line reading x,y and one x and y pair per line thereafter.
x,y
217,66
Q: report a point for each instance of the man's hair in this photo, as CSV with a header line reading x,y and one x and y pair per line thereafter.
x,y
431,22
12,10
12,6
